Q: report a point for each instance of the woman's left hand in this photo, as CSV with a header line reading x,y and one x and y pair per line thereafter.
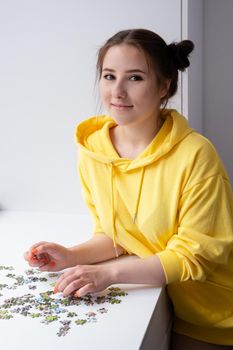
x,y
83,279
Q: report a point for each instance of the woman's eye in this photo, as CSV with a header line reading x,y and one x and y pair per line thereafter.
x,y
108,77
135,78
131,78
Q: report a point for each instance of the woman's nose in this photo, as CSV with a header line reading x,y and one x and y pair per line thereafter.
x,y
119,90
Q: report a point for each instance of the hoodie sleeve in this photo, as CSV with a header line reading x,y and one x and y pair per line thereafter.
x,y
204,237
89,202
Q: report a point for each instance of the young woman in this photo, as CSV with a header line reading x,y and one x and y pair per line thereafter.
x,y
156,189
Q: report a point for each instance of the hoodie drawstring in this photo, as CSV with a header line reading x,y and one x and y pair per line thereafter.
x,y
113,212
113,206
139,195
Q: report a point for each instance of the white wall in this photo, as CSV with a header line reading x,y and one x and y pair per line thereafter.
x,y
218,77
48,53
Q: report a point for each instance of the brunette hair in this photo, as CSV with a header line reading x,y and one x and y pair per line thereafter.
x,y
165,59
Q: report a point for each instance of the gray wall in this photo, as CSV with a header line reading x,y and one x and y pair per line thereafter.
x,y
218,78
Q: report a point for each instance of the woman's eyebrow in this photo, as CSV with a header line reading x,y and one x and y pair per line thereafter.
x,y
136,70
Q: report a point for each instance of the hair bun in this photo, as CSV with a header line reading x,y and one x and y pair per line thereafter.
x,y
180,53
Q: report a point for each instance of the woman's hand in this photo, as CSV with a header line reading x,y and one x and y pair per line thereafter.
x,y
48,256
83,279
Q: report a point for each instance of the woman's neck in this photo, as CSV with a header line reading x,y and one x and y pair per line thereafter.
x,y
131,140
139,134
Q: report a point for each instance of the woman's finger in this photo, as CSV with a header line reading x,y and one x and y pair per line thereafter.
x,y
50,266
46,248
62,283
66,274
26,256
36,245
33,251
34,263
88,288
32,260
73,286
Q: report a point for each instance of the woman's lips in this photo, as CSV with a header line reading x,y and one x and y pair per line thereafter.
x,y
121,106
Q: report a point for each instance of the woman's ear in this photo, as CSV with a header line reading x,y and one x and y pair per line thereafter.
x,y
164,88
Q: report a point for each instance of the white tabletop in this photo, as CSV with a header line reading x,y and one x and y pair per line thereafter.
x,y
141,318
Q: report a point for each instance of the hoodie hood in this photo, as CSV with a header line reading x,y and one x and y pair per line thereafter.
x,y
92,136
94,143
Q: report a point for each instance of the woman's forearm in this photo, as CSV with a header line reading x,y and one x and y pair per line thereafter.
x,y
137,270
129,269
99,248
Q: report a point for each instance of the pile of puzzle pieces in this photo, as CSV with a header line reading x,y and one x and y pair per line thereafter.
x,y
48,307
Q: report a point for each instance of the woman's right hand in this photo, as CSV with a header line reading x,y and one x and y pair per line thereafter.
x,y
48,256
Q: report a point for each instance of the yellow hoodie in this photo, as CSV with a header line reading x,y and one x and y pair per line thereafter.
x,y
173,200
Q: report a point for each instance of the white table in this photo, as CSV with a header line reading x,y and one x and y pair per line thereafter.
x,y
141,321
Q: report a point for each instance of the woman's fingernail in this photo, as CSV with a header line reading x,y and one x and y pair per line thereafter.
x,y
76,294
55,290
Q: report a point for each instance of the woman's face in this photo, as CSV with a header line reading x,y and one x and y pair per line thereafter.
x,y
128,87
